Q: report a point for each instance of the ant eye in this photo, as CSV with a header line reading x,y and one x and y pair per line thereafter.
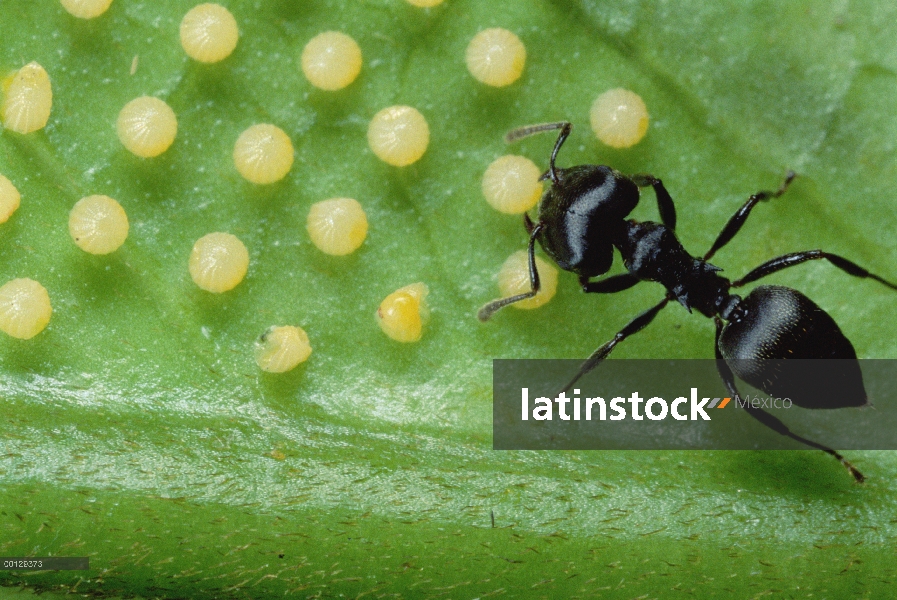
x,y
85,9
281,349
331,61
24,308
209,33
619,118
29,99
218,262
147,126
511,184
496,57
513,279
9,199
263,154
399,135
98,224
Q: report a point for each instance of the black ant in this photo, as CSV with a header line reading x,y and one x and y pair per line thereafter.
x,y
582,218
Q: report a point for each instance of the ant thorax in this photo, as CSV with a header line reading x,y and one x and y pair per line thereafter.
x,y
652,252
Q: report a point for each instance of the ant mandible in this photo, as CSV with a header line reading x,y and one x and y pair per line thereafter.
x,y
582,218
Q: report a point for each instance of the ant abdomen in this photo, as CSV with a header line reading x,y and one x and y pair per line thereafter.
x,y
775,325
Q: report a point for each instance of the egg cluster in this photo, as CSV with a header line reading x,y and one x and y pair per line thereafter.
x,y
263,154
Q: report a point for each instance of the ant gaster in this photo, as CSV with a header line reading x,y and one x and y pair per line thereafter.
x,y
582,218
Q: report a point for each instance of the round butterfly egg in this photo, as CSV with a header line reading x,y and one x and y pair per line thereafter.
x,y
263,154
25,308
619,118
28,99
511,184
399,135
513,279
86,9
496,57
403,314
98,224
331,60
209,33
9,199
282,349
147,126
218,262
337,226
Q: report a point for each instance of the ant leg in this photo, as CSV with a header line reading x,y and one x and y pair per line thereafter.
x,y
789,260
738,219
528,224
764,417
664,201
634,326
565,127
609,285
487,311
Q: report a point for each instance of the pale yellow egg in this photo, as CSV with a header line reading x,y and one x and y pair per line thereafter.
x,y
337,226
24,308
619,118
331,61
218,262
513,279
496,57
86,9
98,224
511,184
399,135
28,99
281,349
9,199
403,314
209,33
263,154
147,126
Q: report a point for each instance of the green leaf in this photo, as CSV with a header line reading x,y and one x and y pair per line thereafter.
x,y
138,430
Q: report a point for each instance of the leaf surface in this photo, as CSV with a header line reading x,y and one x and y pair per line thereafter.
x,y
138,430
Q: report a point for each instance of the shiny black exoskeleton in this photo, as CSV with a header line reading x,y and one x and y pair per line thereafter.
x,y
583,217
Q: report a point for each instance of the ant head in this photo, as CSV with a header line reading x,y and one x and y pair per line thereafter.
x,y
582,215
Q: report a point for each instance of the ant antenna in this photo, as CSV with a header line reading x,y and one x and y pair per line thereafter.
x,y
487,311
565,126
